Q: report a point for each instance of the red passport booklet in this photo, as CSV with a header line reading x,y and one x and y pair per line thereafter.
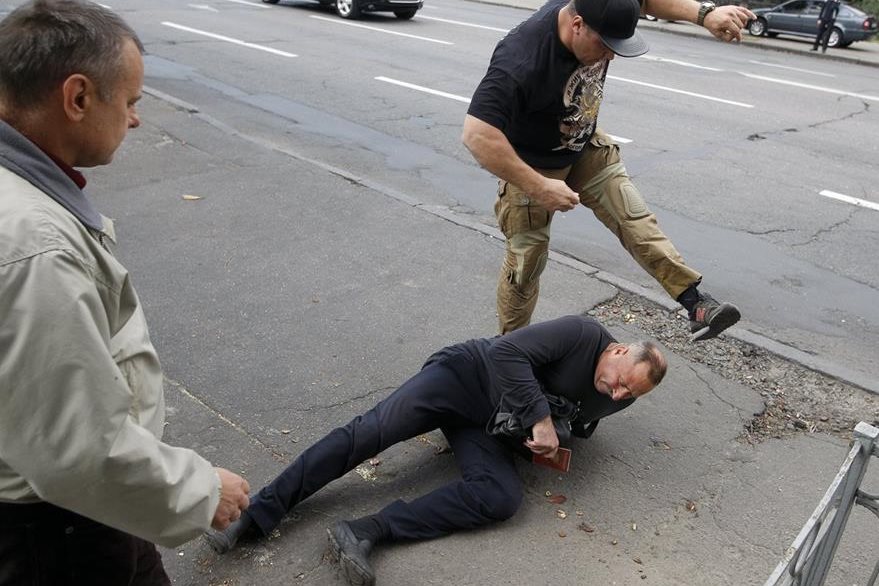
x,y
561,461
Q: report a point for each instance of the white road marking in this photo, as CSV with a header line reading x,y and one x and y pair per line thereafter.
x,y
426,90
676,62
812,87
229,39
677,91
619,139
246,3
457,98
380,30
809,71
203,7
849,199
461,23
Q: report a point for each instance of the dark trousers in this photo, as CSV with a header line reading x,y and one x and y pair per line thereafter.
x,y
823,36
445,395
43,545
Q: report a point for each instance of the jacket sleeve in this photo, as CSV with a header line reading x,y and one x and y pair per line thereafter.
x,y
515,356
69,422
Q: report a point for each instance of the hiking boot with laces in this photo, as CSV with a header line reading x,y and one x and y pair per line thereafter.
x,y
709,318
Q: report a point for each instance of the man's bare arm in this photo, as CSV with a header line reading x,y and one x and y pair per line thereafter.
x,y
724,22
493,151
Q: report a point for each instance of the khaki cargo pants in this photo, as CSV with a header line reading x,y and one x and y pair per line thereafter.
x,y
604,187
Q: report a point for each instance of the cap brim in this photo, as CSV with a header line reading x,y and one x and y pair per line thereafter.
x,y
631,47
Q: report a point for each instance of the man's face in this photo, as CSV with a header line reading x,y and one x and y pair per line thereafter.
x,y
586,45
618,375
108,121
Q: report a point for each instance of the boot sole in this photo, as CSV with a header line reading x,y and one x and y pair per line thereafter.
x,y
356,574
726,316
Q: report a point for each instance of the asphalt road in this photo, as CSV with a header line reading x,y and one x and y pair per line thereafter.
x,y
738,150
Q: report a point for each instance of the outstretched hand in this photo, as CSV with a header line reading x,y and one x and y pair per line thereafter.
x,y
726,22
544,440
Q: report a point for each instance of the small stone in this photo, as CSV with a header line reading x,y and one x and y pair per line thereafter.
x,y
562,534
614,542
561,514
637,561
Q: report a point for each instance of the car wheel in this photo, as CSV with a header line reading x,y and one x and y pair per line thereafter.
x,y
348,8
757,27
405,14
835,39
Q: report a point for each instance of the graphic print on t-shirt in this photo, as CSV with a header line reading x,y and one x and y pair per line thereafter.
x,y
582,98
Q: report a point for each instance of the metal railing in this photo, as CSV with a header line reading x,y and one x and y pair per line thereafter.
x,y
807,561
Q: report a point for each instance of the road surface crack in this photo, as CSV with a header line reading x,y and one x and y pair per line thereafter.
x,y
817,235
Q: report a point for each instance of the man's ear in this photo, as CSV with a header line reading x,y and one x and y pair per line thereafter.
x,y
620,349
78,93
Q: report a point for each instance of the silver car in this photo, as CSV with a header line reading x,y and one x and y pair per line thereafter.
x,y
800,17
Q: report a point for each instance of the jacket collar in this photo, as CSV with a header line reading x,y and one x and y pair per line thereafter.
x,y
25,159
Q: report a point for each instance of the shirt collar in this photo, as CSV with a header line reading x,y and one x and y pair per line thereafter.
x,y
28,161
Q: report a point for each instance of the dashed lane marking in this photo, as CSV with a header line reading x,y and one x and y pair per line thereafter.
x,y
849,199
677,91
380,30
812,87
809,71
229,39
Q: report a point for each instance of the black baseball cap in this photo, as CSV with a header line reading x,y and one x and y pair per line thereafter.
x,y
615,22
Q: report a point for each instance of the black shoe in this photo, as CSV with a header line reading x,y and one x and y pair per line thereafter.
x,y
709,318
244,529
352,554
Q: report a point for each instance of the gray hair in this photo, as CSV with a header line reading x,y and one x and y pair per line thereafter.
x,y
43,42
646,351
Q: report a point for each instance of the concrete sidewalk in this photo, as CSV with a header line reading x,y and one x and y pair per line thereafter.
x,y
293,297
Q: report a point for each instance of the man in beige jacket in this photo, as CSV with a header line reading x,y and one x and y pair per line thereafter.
x,y
86,483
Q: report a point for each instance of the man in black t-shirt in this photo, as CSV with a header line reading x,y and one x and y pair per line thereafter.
x,y
462,389
533,123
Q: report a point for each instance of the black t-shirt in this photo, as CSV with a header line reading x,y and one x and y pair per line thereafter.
x,y
537,93
558,357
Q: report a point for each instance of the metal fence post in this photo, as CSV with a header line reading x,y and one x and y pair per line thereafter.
x,y
807,561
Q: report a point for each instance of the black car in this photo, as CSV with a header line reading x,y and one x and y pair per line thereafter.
x,y
800,17
403,9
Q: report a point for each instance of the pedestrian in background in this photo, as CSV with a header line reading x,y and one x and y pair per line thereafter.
x,y
532,122
86,483
826,20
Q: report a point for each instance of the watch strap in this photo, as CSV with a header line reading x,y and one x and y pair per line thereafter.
x,y
704,9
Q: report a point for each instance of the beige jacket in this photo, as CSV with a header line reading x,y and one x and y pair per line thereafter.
x,y
81,400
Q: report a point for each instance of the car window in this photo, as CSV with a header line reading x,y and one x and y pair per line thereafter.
x,y
798,6
814,8
851,11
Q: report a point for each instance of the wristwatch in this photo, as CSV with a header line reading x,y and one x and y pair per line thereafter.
x,y
704,8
